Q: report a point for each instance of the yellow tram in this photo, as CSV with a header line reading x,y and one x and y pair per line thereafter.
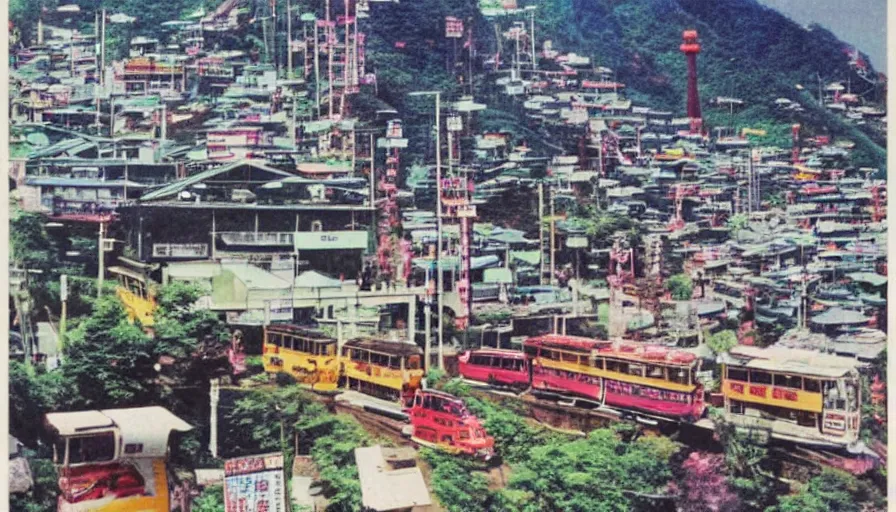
x,y
795,395
308,356
382,368
137,295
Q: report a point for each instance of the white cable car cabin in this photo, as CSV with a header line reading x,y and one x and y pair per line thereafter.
x,y
97,437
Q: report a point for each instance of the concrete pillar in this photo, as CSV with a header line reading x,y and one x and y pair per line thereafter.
x,y
412,318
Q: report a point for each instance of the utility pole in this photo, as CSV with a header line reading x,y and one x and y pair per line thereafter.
x,y
63,296
553,241
541,230
439,227
164,122
103,50
288,39
316,69
101,260
532,38
427,325
214,396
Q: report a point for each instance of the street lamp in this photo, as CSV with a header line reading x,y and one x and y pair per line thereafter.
x,y
439,287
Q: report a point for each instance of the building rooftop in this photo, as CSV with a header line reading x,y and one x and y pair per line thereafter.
x,y
383,488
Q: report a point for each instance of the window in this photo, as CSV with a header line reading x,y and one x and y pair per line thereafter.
x,y
464,435
788,381
274,339
758,377
414,363
132,448
737,374
97,448
598,363
680,375
636,369
531,350
569,357
812,385
395,362
317,225
613,365
736,407
508,364
655,371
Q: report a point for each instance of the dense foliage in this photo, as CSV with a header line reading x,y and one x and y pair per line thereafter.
x,y
722,341
680,286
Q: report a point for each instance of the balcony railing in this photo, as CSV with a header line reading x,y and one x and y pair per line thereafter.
x,y
258,239
179,250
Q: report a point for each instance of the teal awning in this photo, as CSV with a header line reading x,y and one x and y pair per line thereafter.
x,y
497,275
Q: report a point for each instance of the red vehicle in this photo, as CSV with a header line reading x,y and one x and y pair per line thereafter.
x,y
496,367
87,483
625,375
441,421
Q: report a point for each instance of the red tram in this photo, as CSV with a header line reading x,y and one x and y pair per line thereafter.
x,y
626,375
441,421
497,367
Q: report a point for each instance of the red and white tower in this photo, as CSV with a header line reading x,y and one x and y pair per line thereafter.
x,y
690,47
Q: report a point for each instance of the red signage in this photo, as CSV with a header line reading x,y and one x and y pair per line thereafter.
x,y
737,387
759,391
454,28
784,394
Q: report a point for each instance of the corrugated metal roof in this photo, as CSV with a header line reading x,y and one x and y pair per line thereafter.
x,y
176,187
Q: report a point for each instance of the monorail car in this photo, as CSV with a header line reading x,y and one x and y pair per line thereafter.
x,y
308,356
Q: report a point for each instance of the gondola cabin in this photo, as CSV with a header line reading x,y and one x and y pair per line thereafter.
x,y
388,369
113,460
796,395
308,356
496,367
442,421
624,375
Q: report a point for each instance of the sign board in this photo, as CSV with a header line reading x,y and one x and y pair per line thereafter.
x,y
255,484
324,240
454,28
63,287
577,242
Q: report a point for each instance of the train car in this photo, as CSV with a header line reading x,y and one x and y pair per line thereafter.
x,y
795,395
496,367
308,356
442,421
136,293
624,375
113,460
387,369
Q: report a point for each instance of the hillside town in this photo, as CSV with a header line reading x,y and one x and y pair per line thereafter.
x,y
590,259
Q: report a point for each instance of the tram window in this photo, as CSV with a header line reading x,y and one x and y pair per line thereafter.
x,y
811,385
447,439
679,375
508,364
531,350
598,363
757,377
464,435
654,371
614,366
737,374
833,398
427,402
569,358
518,364
636,369
736,407
395,362
788,381
274,339
414,363
98,448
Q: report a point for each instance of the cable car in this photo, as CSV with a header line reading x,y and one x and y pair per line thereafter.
x,y
440,420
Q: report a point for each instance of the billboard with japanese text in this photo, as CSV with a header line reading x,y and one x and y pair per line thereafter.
x,y
255,484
